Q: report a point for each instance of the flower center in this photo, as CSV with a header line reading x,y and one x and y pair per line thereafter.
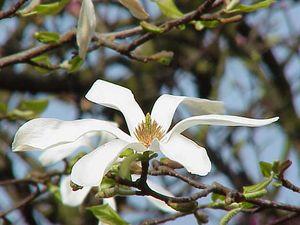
x,y
148,130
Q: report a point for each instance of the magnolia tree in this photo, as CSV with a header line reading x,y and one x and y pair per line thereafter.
x,y
67,160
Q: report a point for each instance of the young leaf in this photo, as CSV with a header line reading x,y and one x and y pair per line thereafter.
x,y
225,220
259,186
107,215
107,183
55,191
29,8
47,9
3,108
124,169
201,24
169,9
232,4
250,8
47,37
216,197
36,106
42,59
277,184
19,114
151,27
135,8
256,194
72,65
163,57
183,206
126,152
265,168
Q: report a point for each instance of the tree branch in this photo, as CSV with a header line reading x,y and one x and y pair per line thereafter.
x,y
12,10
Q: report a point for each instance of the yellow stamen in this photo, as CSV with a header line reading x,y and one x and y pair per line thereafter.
x,y
148,130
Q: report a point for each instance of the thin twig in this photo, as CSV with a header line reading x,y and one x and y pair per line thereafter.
x,y
12,10
283,220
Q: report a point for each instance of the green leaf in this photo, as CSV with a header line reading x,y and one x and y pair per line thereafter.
x,y
107,215
246,205
3,108
255,194
55,191
201,24
46,37
225,220
266,168
259,186
232,4
42,59
277,184
126,152
151,27
250,8
28,109
107,183
47,9
72,65
169,9
19,114
74,160
163,57
216,197
124,168
36,106
183,206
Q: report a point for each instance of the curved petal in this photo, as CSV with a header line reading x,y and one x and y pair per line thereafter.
x,y
43,133
119,98
166,105
84,143
86,26
70,197
218,120
156,202
192,156
90,169
57,153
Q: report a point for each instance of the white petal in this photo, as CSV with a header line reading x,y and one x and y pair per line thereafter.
x,y
70,197
84,143
57,153
86,26
156,202
219,120
111,202
43,133
136,8
90,169
119,98
106,137
166,105
183,150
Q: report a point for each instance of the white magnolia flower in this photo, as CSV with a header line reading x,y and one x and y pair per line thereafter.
x,y
146,132
86,27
